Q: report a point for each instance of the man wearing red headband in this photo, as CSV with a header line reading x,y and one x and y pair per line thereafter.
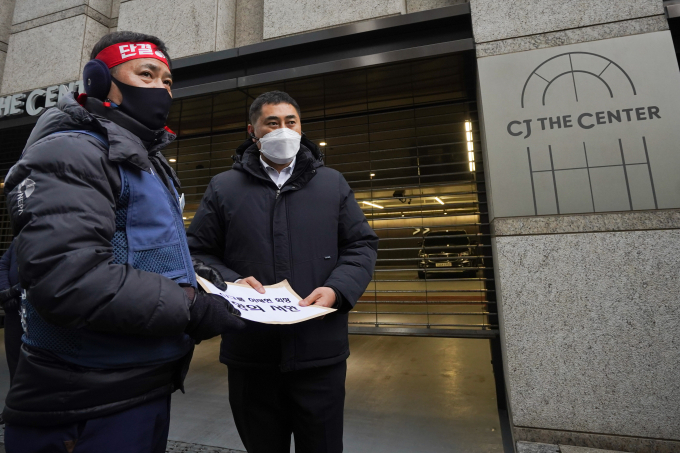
x,y
111,310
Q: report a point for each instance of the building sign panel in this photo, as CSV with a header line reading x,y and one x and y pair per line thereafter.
x,y
33,103
589,127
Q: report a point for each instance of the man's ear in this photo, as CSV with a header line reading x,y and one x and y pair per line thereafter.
x,y
251,132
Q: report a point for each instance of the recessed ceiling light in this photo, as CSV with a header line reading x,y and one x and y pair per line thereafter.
x,y
172,160
322,144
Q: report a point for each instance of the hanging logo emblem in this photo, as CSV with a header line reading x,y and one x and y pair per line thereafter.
x,y
26,188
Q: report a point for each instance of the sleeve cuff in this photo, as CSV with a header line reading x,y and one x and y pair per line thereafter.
x,y
339,300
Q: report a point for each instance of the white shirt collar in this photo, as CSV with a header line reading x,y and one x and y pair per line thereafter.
x,y
278,178
288,169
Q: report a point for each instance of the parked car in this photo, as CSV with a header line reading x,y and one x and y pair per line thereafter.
x,y
447,253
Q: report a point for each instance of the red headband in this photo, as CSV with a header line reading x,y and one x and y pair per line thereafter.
x,y
126,51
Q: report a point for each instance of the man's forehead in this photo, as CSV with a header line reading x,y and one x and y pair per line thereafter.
x,y
149,63
282,109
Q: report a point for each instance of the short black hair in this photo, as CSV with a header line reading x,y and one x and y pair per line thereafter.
x,y
272,98
128,36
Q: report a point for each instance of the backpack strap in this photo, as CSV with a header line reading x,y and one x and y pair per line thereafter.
x,y
97,136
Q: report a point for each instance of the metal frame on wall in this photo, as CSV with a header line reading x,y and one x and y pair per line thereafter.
x,y
369,43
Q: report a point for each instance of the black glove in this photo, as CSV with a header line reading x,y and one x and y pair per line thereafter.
x,y
9,298
209,273
210,316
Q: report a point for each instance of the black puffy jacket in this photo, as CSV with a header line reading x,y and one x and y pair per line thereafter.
x,y
65,221
312,232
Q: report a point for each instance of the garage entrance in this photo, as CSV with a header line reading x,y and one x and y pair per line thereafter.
x,y
406,138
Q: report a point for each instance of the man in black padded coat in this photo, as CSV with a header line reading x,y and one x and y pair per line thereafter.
x,y
111,311
280,214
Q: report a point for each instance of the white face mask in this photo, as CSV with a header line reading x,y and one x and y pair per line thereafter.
x,y
281,145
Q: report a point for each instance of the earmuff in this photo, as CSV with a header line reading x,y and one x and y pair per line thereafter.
x,y
97,79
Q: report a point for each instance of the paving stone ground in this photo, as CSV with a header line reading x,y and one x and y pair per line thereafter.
x,y
404,395
183,447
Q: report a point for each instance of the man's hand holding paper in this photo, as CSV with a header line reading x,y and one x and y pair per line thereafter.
x,y
321,297
278,304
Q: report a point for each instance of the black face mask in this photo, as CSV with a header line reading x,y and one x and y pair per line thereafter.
x,y
149,106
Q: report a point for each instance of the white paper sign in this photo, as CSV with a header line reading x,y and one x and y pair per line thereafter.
x,y
278,305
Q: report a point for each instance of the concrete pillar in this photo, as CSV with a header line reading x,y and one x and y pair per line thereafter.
x,y
6,11
580,102
115,9
249,22
50,42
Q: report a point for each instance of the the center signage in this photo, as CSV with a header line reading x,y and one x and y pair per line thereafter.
x,y
33,103
588,127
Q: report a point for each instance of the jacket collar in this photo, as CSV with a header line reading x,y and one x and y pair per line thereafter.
x,y
123,131
129,141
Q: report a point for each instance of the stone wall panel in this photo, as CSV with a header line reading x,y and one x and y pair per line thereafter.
x,y
226,18
284,18
6,12
3,58
249,22
102,6
573,36
46,55
115,8
187,27
591,330
493,20
26,10
94,31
